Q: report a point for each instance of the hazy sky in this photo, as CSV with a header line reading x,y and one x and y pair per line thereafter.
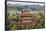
x,y
24,3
